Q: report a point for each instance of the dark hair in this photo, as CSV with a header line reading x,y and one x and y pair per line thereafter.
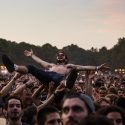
x,y
28,114
102,88
120,89
12,97
98,83
42,113
96,120
120,101
1,102
123,81
112,90
106,110
66,57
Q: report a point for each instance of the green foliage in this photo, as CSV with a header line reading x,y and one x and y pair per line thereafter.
x,y
114,57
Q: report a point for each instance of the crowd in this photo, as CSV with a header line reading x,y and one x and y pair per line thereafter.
x,y
60,94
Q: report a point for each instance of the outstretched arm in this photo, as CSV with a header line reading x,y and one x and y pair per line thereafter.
x,y
22,87
37,59
84,68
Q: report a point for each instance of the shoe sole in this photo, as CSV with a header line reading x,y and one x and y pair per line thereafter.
x,y
71,78
8,63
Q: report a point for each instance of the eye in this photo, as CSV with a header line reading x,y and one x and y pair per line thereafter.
x,y
53,122
65,110
59,120
77,109
118,121
18,105
11,106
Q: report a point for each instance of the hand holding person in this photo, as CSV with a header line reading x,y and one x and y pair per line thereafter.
x,y
60,88
54,90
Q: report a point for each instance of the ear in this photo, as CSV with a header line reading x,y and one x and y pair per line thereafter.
x,y
5,113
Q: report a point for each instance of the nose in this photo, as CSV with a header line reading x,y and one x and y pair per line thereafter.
x,y
71,113
15,107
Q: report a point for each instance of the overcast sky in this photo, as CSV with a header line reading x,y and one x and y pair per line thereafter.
x,y
86,23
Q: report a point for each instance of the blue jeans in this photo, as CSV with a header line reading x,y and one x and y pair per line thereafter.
x,y
45,76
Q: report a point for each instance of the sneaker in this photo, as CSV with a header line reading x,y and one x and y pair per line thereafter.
x,y
8,63
71,78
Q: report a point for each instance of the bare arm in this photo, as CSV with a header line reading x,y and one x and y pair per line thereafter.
x,y
36,94
19,90
37,59
84,68
47,102
51,89
38,91
5,90
88,85
59,89
23,86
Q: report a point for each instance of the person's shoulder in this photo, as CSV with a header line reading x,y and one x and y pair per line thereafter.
x,y
70,65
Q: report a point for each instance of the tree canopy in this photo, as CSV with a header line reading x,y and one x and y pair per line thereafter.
x,y
114,57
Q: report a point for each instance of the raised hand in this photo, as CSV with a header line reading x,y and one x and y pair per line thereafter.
x,y
103,67
28,53
17,75
60,88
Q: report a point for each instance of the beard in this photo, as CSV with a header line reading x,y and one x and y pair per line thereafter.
x,y
61,61
14,116
72,121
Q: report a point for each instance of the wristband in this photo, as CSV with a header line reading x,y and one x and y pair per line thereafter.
x,y
97,68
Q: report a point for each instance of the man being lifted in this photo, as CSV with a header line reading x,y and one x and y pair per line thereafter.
x,y
50,72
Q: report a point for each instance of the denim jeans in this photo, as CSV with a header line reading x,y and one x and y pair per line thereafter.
x,y
45,76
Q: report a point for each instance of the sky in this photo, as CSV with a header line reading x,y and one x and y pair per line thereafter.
x,y
85,23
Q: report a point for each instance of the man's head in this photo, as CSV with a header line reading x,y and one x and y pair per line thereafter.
x,y
96,120
26,97
102,91
121,92
48,116
114,113
75,108
14,108
61,58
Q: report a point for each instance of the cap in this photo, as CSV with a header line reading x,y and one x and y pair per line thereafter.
x,y
88,101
